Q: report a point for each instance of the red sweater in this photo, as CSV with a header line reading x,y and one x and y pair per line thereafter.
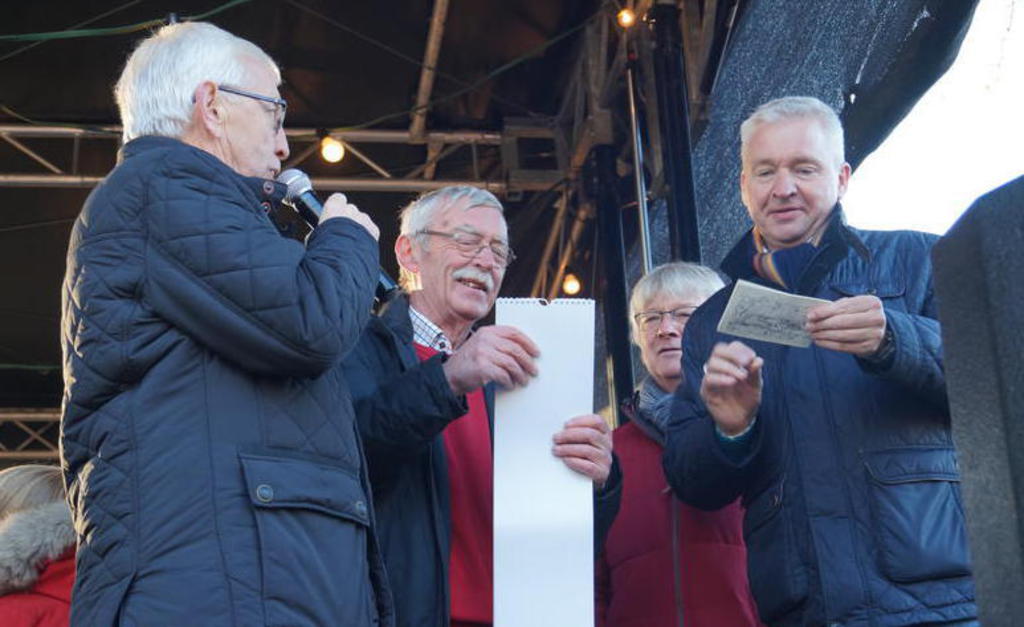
x,y
636,572
467,447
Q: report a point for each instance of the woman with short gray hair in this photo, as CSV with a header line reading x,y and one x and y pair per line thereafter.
x,y
665,564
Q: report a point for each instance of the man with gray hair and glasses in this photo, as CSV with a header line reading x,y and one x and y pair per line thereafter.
x,y
841,451
208,440
422,382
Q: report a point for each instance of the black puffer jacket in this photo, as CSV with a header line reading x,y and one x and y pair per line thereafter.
x,y
402,406
213,466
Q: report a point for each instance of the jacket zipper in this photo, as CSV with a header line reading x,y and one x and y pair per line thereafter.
x,y
856,543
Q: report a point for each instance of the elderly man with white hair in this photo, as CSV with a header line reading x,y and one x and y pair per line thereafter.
x,y
423,385
208,438
841,451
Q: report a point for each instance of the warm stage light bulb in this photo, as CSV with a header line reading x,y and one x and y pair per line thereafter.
x,y
626,18
331,149
571,285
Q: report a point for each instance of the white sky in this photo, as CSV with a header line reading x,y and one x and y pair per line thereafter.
x,y
963,138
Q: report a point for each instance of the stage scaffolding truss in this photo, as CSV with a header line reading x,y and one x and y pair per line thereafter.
x,y
586,120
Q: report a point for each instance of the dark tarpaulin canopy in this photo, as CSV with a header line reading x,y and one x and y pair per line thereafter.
x,y
869,59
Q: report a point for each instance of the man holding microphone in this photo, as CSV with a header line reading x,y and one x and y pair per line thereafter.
x,y
210,454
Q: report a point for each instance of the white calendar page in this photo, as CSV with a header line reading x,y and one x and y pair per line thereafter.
x,y
543,512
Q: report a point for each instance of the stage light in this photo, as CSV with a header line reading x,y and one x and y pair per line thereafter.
x,y
331,149
571,285
626,18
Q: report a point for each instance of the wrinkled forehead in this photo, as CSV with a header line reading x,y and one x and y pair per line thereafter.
x,y
667,301
477,219
803,138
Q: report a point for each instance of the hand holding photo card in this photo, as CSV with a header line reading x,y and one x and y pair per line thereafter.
x,y
762,313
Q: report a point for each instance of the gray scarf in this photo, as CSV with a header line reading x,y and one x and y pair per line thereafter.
x,y
654,408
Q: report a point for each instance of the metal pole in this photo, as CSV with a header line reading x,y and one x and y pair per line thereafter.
x,y
602,181
376,167
358,136
323,184
573,243
638,167
557,228
430,56
31,153
673,114
48,414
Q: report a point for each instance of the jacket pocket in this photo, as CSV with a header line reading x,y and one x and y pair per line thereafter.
x,y
919,519
778,578
890,290
312,521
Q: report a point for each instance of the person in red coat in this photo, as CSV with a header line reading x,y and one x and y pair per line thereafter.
x,y
666,564
37,548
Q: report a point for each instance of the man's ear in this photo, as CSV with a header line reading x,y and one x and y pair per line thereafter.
x,y
743,189
207,110
844,178
406,255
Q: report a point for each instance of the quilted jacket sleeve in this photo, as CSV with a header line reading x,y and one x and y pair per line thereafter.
x,y
399,412
917,361
698,469
218,269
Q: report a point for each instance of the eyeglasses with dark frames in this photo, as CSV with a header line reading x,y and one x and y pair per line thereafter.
x,y
280,104
648,321
470,245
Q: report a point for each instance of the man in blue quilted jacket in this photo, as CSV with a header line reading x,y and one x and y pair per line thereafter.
x,y
841,451
210,454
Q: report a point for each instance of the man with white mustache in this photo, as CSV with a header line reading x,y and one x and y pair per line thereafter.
x,y
422,383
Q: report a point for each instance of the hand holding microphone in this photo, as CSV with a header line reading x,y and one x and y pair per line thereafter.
x,y
300,197
337,206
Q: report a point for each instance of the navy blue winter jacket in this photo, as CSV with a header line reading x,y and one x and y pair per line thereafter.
x,y
211,457
850,482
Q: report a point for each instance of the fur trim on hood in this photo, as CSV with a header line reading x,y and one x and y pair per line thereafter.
x,y
28,540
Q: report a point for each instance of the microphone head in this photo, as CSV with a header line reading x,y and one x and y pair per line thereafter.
x,y
298,183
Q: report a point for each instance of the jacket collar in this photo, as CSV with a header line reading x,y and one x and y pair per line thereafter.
x,y
836,242
143,144
649,407
265,189
394,313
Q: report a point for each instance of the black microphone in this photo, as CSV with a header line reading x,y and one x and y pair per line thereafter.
x,y
301,198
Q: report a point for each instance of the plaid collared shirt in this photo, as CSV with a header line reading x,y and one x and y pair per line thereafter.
x,y
426,333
